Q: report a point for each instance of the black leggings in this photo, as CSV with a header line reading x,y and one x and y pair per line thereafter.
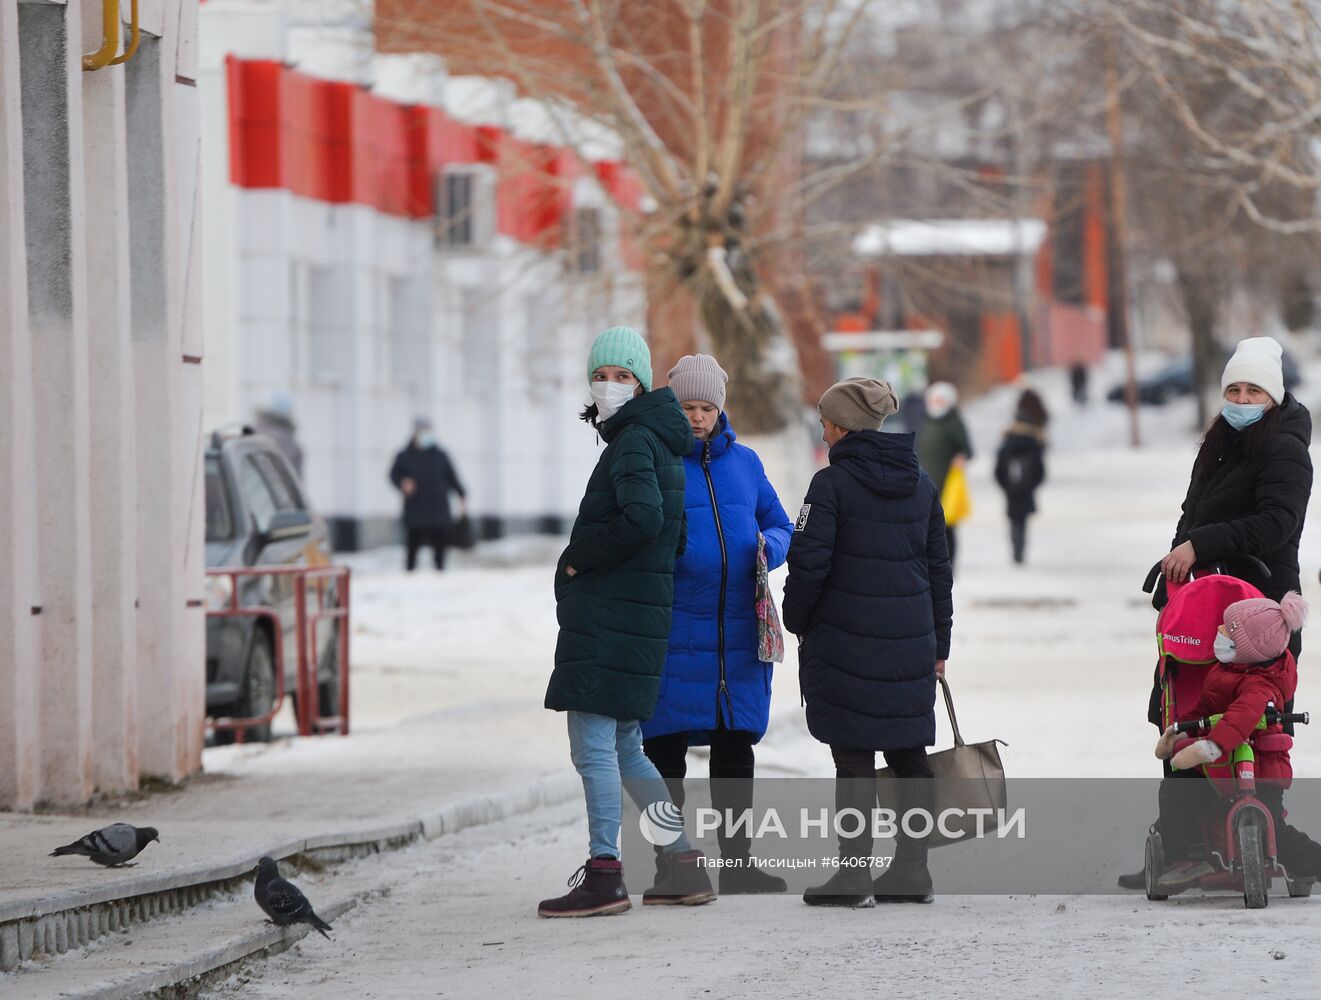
x,y
855,787
417,538
732,766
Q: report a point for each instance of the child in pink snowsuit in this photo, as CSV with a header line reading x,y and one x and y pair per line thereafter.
x,y
1254,669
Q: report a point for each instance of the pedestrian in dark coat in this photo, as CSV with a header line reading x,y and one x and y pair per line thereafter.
x,y
943,442
614,591
714,689
1020,467
1251,480
426,477
1248,496
869,596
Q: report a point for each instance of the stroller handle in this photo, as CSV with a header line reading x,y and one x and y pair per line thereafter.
x,y
1272,715
1216,567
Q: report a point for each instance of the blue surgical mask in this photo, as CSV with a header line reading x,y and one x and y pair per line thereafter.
x,y
1224,648
1240,415
426,441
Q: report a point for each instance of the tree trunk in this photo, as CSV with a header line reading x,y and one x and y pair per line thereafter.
x,y
753,345
1201,307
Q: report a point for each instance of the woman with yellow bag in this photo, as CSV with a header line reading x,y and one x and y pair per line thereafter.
x,y
942,448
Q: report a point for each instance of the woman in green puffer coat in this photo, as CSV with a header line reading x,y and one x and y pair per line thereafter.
x,y
614,588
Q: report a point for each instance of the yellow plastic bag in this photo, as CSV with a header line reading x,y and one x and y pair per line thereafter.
x,y
955,497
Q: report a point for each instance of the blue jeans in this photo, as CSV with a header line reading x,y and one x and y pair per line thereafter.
x,y
607,753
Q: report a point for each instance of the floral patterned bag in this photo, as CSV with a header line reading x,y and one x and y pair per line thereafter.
x,y
770,637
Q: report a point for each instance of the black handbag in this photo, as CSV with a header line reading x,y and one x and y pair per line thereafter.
x,y
460,534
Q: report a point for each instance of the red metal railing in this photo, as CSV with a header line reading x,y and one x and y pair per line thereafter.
x,y
310,719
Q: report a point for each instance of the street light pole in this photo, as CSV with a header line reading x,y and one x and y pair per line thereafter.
x,y
1119,222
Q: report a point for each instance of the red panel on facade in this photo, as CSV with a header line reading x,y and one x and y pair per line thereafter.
x,y
380,155
336,142
421,193
624,186
254,122
451,141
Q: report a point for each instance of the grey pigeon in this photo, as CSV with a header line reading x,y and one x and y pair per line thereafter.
x,y
113,846
282,901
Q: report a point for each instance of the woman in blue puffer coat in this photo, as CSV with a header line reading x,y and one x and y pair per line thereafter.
x,y
714,689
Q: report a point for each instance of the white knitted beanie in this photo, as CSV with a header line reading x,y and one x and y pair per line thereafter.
x,y
1257,360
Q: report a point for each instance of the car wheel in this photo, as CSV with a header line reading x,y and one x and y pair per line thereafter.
x,y
258,693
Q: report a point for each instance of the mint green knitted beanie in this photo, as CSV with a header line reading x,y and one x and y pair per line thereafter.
x,y
624,347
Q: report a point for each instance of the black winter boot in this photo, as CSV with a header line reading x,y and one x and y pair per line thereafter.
x,y
748,879
907,880
849,886
596,890
684,882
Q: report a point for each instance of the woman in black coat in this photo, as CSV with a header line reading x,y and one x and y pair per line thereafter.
x,y
1251,480
1020,467
869,596
1250,486
1248,495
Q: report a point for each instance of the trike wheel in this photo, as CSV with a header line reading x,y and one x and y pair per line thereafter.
x,y
1153,867
1300,888
1252,860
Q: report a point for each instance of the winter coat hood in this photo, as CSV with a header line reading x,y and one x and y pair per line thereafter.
x,y
883,463
1295,419
659,412
721,440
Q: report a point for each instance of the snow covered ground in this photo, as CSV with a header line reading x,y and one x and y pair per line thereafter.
x,y
459,921
1052,657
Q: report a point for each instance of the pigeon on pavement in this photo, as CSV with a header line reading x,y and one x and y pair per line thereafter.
x,y
282,901
113,846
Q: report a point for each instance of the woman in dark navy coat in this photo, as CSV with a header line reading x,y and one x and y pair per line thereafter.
x,y
869,596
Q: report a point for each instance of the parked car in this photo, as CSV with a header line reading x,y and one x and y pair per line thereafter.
x,y
257,515
1176,379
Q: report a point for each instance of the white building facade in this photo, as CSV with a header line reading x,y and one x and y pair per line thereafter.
x,y
387,242
101,520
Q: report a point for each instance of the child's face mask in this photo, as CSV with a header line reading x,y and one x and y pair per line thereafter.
x,y
1224,649
610,397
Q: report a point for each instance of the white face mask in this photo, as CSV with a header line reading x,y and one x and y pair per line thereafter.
x,y
610,397
1224,648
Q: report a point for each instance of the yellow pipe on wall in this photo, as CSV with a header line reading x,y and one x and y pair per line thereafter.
x,y
109,36
133,38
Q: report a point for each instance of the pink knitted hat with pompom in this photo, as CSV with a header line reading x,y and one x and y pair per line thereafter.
x,y
1260,628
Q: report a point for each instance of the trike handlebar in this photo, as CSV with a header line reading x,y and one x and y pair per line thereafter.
x,y
1272,717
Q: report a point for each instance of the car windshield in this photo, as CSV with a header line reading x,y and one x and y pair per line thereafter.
x,y
219,519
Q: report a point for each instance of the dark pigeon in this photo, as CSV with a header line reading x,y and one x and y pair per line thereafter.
x,y
113,846
282,901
